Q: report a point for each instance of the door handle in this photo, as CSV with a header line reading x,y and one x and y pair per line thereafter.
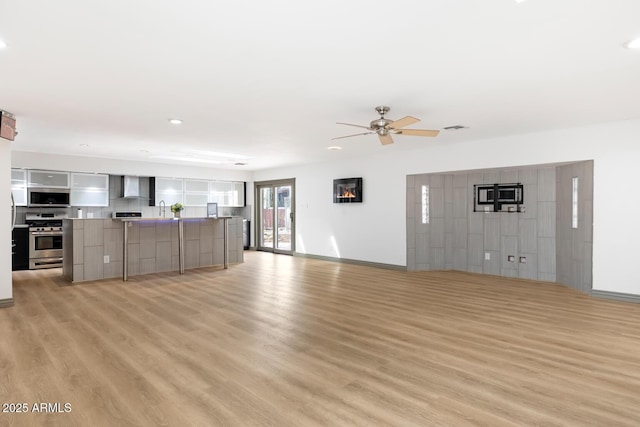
x,y
291,216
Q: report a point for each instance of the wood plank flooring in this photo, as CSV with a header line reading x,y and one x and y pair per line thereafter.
x,y
283,341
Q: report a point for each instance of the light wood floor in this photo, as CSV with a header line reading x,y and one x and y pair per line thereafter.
x,y
288,341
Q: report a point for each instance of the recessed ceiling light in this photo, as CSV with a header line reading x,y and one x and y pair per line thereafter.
x,y
633,44
144,151
2,44
175,121
84,145
335,147
456,127
240,164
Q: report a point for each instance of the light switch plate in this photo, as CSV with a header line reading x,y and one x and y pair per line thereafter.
x,y
487,256
511,258
106,259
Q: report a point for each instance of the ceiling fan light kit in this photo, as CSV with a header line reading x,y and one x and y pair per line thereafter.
x,y
384,127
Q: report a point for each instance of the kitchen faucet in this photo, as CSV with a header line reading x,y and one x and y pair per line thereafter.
x,y
163,207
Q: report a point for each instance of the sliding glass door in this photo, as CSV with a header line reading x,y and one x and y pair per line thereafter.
x,y
275,202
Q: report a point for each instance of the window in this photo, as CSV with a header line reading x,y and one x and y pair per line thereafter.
x,y
425,204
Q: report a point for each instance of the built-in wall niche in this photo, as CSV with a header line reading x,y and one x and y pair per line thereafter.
x,y
498,197
347,190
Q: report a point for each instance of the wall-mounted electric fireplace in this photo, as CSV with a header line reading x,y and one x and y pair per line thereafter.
x,y
347,190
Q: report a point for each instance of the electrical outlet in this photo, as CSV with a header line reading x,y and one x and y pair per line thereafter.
x,y
487,256
511,258
106,259
523,260
89,214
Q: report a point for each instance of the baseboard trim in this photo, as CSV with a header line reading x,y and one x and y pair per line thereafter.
x,y
8,302
618,296
353,261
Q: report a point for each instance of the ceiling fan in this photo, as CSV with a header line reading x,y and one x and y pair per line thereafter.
x,y
385,127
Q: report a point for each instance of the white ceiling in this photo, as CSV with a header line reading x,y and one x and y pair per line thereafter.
x,y
269,79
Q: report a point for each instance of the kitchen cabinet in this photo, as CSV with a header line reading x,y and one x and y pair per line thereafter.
x,y
48,179
196,192
89,189
227,193
171,190
19,186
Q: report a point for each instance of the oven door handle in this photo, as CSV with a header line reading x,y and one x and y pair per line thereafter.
x,y
53,233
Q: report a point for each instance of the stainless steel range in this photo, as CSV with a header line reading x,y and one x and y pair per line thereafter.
x,y
45,240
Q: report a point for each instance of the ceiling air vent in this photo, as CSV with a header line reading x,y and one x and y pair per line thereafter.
x,y
456,127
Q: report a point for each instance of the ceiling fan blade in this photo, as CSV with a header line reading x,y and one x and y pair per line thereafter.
x,y
405,121
349,136
385,139
417,132
349,124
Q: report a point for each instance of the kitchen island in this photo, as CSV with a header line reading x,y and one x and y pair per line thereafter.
x,y
95,249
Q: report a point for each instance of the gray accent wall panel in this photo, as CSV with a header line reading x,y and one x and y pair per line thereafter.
x,y
458,238
476,222
460,203
460,259
475,254
509,224
574,256
437,257
529,269
492,233
528,236
528,176
437,233
436,205
547,219
508,176
531,201
547,257
547,185
460,233
492,265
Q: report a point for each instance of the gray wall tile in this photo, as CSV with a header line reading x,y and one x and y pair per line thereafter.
x,y
93,263
93,233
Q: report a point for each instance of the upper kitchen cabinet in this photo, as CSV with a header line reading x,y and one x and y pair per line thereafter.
x,y
227,193
196,192
89,189
49,179
169,190
19,186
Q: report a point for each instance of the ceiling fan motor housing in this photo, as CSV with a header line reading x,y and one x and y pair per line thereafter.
x,y
380,123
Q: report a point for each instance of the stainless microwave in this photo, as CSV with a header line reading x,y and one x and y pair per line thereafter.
x,y
49,198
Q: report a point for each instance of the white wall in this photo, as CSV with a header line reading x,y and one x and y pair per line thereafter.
x,y
375,230
29,160
6,289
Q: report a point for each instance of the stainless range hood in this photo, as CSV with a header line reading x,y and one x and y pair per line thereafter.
x,y
131,186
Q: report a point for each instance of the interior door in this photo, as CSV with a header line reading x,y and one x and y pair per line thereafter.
x,y
275,228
